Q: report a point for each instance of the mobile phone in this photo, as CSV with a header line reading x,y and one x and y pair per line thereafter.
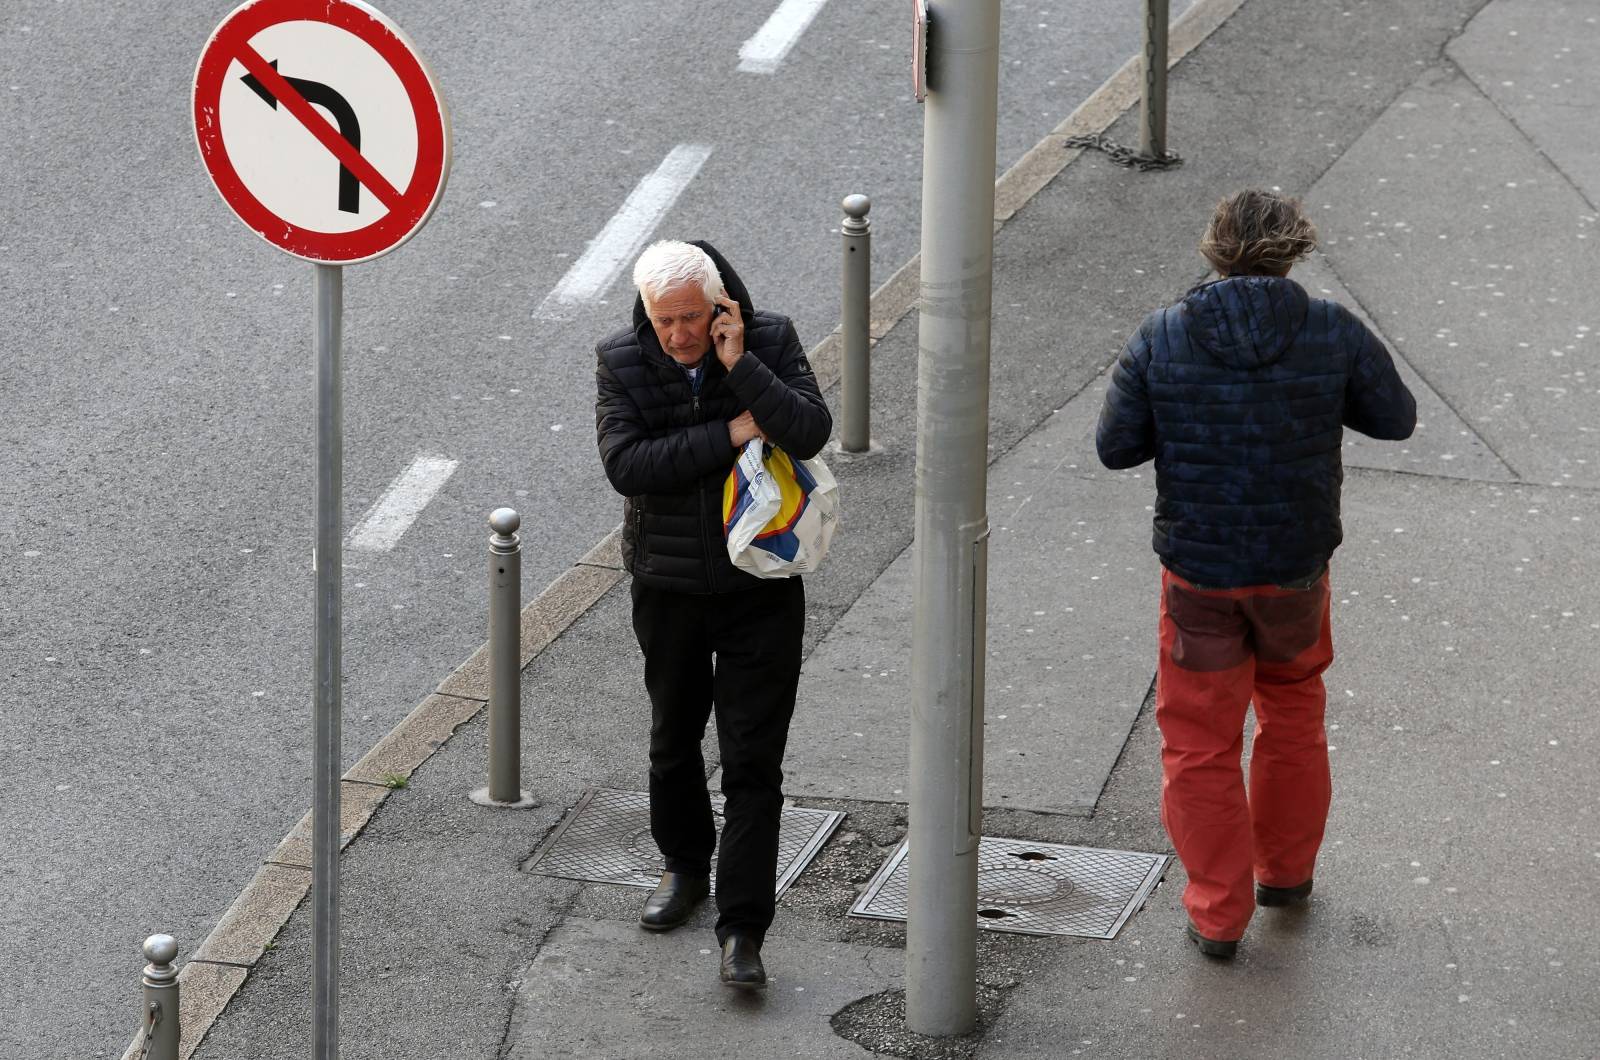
x,y
717,311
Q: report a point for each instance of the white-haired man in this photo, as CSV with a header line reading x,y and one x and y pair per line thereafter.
x,y
698,374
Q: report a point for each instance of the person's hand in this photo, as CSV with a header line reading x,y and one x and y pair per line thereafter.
x,y
742,428
727,332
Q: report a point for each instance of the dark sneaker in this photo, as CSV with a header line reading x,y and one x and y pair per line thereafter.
x,y
1276,896
673,900
1212,947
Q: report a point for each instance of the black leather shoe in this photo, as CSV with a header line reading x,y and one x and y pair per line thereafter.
x,y
741,963
1274,896
673,900
1219,948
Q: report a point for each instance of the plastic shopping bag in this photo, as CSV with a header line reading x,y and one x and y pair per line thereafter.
x,y
778,514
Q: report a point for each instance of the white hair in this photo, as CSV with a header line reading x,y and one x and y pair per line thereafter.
x,y
672,263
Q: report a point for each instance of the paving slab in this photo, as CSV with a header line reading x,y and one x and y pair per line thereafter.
x,y
673,1005
1539,60
1464,818
1442,444
1472,253
1071,613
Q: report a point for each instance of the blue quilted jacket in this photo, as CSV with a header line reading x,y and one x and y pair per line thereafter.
x,y
1240,394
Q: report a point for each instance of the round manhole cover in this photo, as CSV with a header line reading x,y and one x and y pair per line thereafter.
x,y
642,846
1019,886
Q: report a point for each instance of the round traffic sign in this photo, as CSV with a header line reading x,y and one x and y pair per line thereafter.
x,y
322,127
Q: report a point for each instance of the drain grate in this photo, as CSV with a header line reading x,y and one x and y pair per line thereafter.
x,y
606,838
1036,888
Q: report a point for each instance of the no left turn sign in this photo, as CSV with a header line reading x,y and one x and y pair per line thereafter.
x,y
322,127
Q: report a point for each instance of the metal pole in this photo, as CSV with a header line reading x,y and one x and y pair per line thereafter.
x,y
505,657
328,304
1153,114
855,389
951,518
159,1019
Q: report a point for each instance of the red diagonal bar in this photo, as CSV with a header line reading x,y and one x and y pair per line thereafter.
x,y
319,127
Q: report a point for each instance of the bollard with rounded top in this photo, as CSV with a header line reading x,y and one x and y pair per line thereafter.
x,y
505,665
505,522
855,387
162,1032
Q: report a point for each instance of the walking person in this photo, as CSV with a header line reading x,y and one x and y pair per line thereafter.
x,y
1240,393
699,373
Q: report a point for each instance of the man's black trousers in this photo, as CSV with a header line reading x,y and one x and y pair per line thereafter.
x,y
754,637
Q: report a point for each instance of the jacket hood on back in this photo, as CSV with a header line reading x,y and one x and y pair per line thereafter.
x,y
730,282
1246,321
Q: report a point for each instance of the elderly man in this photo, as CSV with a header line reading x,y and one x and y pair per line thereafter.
x,y
699,373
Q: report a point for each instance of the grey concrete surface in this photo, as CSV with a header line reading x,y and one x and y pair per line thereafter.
x,y
1485,283
675,1006
1464,818
1068,664
1531,57
1464,827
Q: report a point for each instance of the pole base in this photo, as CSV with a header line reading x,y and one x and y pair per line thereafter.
x,y
836,450
481,797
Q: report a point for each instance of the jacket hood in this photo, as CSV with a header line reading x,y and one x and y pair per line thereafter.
x,y
1246,321
730,282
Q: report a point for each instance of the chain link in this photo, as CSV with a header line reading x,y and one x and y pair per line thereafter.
x,y
150,1031
1122,155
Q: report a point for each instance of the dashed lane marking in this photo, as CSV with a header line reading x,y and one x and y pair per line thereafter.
x,y
763,53
624,235
400,504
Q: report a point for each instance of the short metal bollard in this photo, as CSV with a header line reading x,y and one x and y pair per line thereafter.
x,y
159,1024
505,665
1153,114
855,387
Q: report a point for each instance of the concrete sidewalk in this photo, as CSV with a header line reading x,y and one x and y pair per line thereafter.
x,y
1431,142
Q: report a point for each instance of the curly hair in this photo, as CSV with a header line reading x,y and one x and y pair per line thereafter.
x,y
1256,232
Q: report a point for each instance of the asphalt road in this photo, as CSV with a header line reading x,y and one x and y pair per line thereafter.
x,y
155,380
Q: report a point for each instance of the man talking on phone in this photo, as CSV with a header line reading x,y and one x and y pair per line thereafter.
x,y
699,373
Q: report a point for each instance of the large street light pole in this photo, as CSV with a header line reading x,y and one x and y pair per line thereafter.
x,y
952,529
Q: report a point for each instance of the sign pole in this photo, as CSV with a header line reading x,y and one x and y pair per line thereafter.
x,y
328,305
952,524
1153,111
304,62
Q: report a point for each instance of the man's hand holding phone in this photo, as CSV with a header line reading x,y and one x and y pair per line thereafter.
x,y
727,331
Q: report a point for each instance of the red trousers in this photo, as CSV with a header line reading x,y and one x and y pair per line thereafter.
x,y
1221,649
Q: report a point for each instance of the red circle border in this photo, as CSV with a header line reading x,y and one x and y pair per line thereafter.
x,y
418,199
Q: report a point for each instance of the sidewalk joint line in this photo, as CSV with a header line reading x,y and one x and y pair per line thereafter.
x,y
1472,81
1395,351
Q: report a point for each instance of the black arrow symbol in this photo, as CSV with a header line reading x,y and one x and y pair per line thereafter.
x,y
320,95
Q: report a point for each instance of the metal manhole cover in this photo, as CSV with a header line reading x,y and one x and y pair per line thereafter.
x,y
1035,888
606,838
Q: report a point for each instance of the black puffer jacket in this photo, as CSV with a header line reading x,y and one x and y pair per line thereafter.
x,y
1240,393
667,450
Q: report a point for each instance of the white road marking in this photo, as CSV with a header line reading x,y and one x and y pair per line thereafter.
x,y
624,235
762,53
400,504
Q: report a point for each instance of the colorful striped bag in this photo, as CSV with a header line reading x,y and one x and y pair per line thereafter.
x,y
778,514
